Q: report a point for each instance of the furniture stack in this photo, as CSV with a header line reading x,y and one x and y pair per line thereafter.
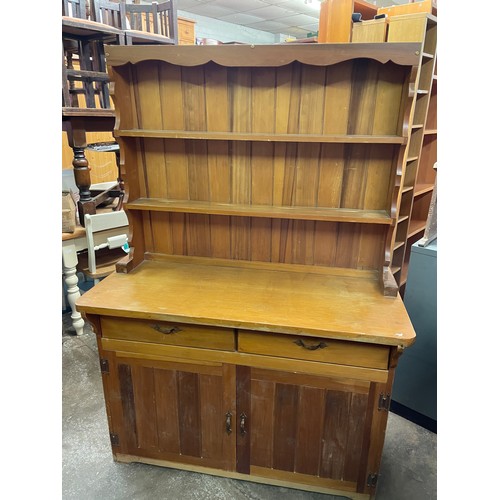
x,y
86,106
255,327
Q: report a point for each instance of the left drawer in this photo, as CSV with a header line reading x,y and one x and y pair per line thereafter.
x,y
165,332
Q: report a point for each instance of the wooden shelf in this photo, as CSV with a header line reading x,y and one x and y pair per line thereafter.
x,y
415,227
395,269
88,112
265,137
276,212
402,218
421,189
277,55
421,155
406,189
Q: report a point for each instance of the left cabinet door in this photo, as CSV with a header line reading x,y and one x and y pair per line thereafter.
x,y
171,410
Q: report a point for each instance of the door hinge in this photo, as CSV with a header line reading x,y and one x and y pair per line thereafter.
x,y
115,441
371,480
384,402
104,365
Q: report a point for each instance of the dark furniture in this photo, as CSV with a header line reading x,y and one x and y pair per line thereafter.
x,y
86,105
151,24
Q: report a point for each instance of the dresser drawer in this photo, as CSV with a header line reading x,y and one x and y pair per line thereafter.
x,y
314,349
185,29
164,332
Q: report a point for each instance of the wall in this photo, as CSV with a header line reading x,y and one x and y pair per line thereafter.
x,y
207,27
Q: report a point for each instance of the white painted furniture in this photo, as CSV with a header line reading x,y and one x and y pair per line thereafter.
x,y
99,265
73,243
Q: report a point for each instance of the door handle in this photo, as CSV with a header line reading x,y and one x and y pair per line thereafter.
x,y
243,419
229,416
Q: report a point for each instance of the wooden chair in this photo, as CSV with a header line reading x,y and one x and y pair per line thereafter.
x,y
110,13
83,41
103,251
75,8
151,24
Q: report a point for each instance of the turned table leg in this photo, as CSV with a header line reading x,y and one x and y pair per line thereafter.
x,y
69,260
78,142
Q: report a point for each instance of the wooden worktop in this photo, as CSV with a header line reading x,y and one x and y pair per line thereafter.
x,y
334,305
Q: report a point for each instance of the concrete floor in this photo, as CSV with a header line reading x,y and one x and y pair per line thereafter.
x,y
408,470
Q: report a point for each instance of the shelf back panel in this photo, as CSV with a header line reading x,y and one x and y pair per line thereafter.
x,y
345,91
280,241
352,97
352,176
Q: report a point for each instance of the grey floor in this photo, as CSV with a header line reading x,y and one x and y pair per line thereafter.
x,y
408,470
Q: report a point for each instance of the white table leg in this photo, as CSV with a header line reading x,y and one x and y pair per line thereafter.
x,y
70,260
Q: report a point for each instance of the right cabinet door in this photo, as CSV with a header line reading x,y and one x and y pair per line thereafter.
x,y
309,428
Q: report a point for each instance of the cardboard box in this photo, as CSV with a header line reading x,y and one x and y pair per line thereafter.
x,y
68,213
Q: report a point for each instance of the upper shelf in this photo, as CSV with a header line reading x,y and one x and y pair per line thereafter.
x,y
325,54
267,137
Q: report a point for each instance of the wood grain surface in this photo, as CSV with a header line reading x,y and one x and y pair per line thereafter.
x,y
343,307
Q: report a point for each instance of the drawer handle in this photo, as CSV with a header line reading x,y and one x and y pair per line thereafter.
x,y
165,330
300,343
229,416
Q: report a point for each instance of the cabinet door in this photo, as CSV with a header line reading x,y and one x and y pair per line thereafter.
x,y
306,428
171,411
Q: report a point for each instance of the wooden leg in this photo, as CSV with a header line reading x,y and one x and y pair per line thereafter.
x,y
77,140
77,128
69,259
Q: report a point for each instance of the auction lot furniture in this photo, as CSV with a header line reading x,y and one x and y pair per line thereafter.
x,y
254,329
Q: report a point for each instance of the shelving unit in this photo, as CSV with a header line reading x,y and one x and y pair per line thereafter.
x,y
262,186
418,174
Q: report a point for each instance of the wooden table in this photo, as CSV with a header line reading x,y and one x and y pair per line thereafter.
x,y
76,123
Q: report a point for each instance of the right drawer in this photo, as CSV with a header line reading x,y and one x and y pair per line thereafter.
x,y
314,349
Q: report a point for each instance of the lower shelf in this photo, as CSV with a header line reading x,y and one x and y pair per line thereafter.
x,y
274,212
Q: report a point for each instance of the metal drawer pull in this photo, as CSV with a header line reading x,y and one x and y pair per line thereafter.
x,y
300,343
243,418
167,331
229,416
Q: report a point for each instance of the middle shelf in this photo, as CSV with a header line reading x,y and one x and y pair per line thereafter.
x,y
273,212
